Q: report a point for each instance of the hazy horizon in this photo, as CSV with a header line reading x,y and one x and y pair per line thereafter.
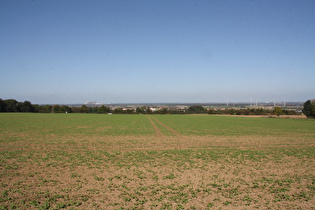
x,y
228,103
68,52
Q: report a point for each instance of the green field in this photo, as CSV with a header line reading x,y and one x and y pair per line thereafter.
x,y
94,161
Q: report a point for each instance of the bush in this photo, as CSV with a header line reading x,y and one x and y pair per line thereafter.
x,y
309,108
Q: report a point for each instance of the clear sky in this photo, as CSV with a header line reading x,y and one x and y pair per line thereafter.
x,y
136,51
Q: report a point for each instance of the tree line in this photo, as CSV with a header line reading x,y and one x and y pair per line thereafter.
x,y
11,105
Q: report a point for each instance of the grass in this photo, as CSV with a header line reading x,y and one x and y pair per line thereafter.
x,y
126,125
90,161
83,124
236,126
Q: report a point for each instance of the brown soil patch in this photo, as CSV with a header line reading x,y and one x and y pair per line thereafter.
x,y
98,182
157,171
158,142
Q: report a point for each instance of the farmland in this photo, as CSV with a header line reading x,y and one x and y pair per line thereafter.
x,y
94,161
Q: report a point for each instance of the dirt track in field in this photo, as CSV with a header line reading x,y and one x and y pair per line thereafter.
x,y
156,129
168,128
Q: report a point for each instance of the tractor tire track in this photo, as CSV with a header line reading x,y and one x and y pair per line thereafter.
x,y
156,129
168,128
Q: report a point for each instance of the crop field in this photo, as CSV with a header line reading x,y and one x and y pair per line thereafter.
x,y
94,161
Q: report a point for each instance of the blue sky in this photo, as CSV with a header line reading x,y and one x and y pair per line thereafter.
x,y
136,51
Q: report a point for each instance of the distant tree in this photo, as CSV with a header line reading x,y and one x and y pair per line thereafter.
x,y
230,111
246,112
75,109
118,111
3,106
164,111
19,107
239,112
84,109
48,108
309,108
261,111
140,110
45,109
25,106
278,111
92,109
36,108
211,111
143,110
11,105
148,110
56,109
196,109
289,112
65,109
130,111
103,110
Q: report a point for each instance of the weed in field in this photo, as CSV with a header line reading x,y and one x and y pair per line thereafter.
x,y
170,176
99,178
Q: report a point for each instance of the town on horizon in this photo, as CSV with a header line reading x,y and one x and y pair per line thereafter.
x,y
224,104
